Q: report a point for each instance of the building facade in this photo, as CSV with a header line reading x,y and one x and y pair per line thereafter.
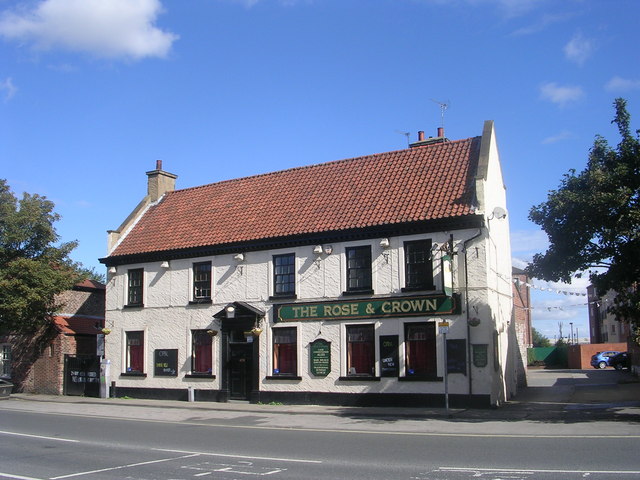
x,y
604,327
374,280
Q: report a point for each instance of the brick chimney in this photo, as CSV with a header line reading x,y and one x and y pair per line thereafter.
x,y
160,182
429,141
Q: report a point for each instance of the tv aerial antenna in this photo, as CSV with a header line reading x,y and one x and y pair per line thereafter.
x,y
406,134
443,108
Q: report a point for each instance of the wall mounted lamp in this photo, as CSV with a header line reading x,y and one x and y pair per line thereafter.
x,y
239,257
113,270
164,265
384,243
328,249
231,311
317,250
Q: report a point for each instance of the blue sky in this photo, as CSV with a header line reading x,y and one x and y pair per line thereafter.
x,y
93,92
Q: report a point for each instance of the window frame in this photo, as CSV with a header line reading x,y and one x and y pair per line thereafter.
x,y
135,290
276,353
140,357
430,359
195,354
5,360
277,276
207,282
418,275
349,349
361,272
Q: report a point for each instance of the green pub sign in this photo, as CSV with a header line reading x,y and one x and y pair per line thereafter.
x,y
424,305
320,358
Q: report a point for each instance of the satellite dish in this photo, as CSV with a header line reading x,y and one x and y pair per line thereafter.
x,y
499,213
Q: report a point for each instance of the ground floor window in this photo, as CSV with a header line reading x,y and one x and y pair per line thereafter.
x,y
201,352
135,352
420,349
285,351
5,360
360,350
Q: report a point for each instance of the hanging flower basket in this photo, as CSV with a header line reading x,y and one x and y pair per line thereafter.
x,y
106,331
212,333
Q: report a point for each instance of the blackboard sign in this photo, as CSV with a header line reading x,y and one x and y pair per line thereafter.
x,y
165,363
389,355
457,356
480,355
320,357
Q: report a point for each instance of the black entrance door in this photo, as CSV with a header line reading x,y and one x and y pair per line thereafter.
x,y
240,370
82,375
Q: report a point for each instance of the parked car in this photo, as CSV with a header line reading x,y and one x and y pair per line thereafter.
x,y
601,359
620,361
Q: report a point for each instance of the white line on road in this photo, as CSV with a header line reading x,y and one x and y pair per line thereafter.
x,y
38,436
531,470
119,467
17,477
249,457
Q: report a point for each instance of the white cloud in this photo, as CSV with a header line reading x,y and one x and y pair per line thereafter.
x,y
619,84
560,95
578,49
104,28
528,241
563,135
8,88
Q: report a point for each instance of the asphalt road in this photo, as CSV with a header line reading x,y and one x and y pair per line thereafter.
x,y
59,438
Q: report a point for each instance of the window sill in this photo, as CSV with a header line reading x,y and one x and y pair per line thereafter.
x,y
427,288
356,378
357,292
282,377
209,376
137,305
133,374
275,298
201,301
419,378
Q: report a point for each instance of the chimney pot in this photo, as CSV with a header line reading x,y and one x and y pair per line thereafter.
x,y
420,136
440,132
158,164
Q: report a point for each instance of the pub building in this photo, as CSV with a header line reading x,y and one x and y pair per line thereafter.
x,y
337,283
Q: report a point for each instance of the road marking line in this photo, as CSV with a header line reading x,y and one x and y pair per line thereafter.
x,y
248,457
38,436
17,477
531,470
119,467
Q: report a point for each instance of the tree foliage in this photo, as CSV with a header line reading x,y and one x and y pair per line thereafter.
x,y
33,269
539,340
593,221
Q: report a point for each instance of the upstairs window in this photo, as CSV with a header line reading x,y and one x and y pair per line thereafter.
x,y
360,350
135,287
359,269
284,276
201,352
202,281
285,351
418,267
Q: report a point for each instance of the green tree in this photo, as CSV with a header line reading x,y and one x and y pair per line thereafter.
x,y
539,340
33,270
593,221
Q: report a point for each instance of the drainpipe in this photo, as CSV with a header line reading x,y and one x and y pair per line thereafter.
x,y
466,299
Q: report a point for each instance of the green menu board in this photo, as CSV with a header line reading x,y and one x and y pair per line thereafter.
x,y
320,357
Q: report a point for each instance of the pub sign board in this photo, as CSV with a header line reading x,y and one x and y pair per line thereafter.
x,y
424,305
165,362
389,366
320,358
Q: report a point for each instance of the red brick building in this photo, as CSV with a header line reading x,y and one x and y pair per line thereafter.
x,y
522,319
36,363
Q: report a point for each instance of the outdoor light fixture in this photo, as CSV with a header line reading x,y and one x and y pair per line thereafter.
x,y
317,249
328,249
239,257
384,243
164,265
113,270
231,311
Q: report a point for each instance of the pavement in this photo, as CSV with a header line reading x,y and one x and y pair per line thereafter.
x,y
555,402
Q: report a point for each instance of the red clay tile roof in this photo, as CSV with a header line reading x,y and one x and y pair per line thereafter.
x,y
77,325
423,183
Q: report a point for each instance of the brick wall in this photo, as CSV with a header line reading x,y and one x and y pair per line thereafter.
x,y
580,355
